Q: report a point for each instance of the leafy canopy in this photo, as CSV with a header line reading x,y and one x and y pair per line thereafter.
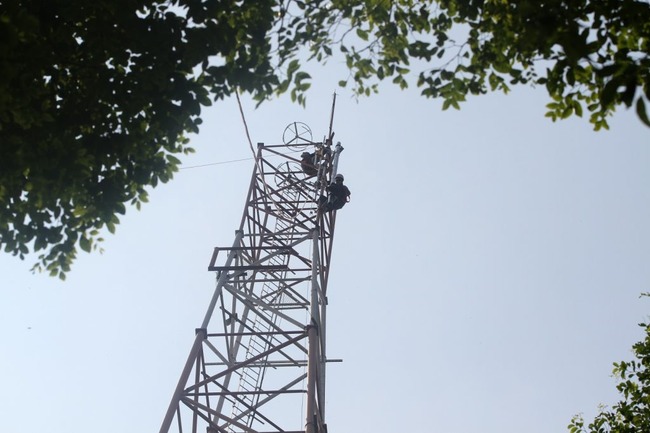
x,y
97,98
632,413
590,55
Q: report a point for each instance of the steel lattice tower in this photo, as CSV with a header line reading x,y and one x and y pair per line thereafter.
x,y
258,359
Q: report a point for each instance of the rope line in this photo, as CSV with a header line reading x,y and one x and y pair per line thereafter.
x,y
248,137
209,164
243,118
215,163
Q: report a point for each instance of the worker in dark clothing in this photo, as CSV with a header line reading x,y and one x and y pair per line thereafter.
x,y
338,196
307,164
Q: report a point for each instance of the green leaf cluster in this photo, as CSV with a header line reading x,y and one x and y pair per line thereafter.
x,y
632,413
591,55
96,101
97,98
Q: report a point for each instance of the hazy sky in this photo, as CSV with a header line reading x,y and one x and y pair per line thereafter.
x,y
486,273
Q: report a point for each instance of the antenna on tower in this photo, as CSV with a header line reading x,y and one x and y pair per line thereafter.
x,y
330,135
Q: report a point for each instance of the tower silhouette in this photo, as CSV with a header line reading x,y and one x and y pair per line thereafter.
x,y
259,357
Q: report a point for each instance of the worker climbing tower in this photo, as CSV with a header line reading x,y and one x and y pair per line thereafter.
x,y
258,359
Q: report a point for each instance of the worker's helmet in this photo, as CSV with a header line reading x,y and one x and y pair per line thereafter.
x,y
339,176
305,154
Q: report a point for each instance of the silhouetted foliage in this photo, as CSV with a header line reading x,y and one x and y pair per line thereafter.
x,y
632,413
97,97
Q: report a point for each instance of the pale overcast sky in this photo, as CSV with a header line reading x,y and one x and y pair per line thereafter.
x,y
486,273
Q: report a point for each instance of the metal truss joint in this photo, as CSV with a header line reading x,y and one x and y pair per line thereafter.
x,y
311,326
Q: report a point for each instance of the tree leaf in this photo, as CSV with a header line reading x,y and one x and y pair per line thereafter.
x,y
85,244
641,111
